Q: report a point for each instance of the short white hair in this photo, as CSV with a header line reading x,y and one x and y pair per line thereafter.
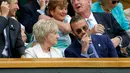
x,y
43,27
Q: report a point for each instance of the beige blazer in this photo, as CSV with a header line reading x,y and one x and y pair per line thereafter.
x,y
37,52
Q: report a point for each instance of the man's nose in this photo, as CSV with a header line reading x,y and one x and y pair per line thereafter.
x,y
17,7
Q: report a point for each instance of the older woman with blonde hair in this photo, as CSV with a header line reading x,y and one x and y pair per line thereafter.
x,y
46,34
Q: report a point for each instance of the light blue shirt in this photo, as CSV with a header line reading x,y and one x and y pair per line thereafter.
x,y
117,12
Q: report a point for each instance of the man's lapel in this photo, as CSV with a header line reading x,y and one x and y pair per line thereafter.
x,y
100,20
96,44
12,30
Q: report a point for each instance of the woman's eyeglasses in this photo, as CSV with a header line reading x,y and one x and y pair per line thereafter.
x,y
79,30
114,2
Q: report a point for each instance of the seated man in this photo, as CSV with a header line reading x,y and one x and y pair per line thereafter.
x,y
96,47
102,23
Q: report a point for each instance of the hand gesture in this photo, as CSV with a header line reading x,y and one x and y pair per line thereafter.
x,y
98,28
115,41
43,4
85,43
4,9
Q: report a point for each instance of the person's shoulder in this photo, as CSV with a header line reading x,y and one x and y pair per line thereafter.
x,y
102,13
55,49
120,5
95,3
74,44
100,36
29,53
95,6
29,5
36,47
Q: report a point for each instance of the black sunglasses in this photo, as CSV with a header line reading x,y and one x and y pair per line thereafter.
x,y
114,2
79,30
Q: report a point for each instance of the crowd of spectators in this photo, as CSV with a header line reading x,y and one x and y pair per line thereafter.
x,y
64,28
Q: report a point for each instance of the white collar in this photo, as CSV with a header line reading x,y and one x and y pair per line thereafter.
x,y
90,17
38,2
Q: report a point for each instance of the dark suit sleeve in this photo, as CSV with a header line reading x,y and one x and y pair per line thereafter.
x,y
28,17
113,29
3,24
20,44
111,50
68,54
18,47
120,32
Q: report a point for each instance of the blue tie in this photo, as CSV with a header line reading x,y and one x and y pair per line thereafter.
x,y
90,24
90,52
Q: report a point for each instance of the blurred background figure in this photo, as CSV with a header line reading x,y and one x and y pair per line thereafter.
x,y
24,37
127,14
114,7
46,34
29,14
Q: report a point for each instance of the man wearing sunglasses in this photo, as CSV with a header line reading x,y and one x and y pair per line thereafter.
x,y
86,45
103,23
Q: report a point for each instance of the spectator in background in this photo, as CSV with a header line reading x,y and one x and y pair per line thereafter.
x,y
71,11
57,9
102,23
114,7
11,44
87,45
24,37
127,14
30,13
46,34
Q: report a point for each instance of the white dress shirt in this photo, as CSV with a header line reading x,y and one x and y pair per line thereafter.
x,y
92,22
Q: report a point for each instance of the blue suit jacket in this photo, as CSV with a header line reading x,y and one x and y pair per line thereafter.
x,y
106,48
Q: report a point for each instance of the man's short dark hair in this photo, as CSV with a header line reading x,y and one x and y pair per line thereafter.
x,y
74,19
